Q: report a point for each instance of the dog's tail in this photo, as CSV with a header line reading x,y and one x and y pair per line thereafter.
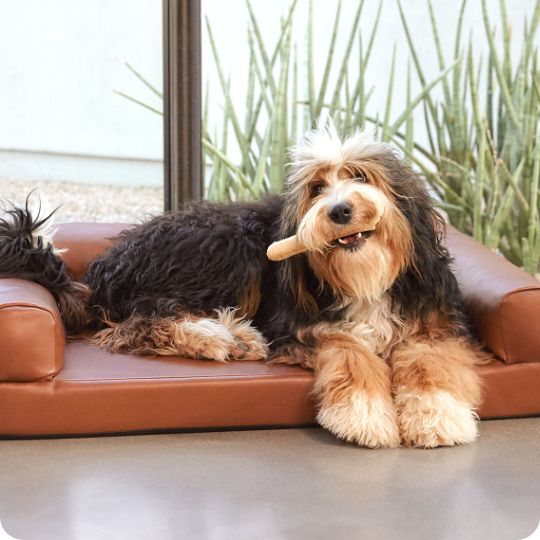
x,y
27,252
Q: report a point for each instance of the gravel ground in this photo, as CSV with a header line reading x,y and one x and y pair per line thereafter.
x,y
86,202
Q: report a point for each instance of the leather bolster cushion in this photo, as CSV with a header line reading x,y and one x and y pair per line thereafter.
x,y
31,332
83,242
503,302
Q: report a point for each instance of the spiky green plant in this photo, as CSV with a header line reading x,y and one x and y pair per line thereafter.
x,y
275,113
483,155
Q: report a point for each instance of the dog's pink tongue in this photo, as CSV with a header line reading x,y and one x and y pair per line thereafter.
x,y
348,239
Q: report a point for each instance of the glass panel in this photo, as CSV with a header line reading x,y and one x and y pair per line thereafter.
x,y
65,126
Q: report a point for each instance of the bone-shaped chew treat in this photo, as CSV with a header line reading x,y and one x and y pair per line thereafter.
x,y
283,249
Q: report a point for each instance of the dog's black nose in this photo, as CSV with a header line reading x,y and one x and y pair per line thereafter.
x,y
340,213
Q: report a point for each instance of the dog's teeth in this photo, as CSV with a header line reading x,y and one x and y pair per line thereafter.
x,y
350,239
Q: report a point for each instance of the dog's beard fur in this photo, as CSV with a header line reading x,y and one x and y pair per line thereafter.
x,y
351,172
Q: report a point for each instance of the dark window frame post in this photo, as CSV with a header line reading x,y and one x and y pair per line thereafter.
x,y
182,102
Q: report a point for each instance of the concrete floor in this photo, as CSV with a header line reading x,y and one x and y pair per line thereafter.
x,y
276,484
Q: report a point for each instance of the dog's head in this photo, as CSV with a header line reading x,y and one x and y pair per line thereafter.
x,y
334,184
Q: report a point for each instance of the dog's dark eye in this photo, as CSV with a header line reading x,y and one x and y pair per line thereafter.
x,y
317,189
360,177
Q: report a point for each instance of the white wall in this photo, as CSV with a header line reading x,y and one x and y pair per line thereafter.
x,y
61,60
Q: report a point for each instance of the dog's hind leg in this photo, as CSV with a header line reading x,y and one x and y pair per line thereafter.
x,y
188,335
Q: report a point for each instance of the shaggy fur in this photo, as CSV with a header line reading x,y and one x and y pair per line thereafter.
x,y
377,316
27,252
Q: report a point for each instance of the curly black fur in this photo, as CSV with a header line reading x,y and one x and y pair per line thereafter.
x,y
428,284
199,259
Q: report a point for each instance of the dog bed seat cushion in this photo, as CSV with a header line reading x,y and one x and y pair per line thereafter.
x,y
98,392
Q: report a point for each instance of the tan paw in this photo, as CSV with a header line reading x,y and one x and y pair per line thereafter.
x,y
204,338
428,420
249,343
362,420
248,350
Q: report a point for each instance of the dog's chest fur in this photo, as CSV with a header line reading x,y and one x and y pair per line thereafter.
x,y
375,325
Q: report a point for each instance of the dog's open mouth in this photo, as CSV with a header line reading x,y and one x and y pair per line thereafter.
x,y
353,241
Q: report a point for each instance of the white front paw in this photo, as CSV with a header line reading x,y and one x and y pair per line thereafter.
x,y
366,421
428,420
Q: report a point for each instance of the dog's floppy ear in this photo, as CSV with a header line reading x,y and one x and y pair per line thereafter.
x,y
427,283
294,273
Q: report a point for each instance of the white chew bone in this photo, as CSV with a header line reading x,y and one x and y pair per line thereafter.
x,y
283,249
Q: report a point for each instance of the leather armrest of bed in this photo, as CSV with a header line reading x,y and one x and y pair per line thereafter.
x,y
32,335
82,242
502,301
